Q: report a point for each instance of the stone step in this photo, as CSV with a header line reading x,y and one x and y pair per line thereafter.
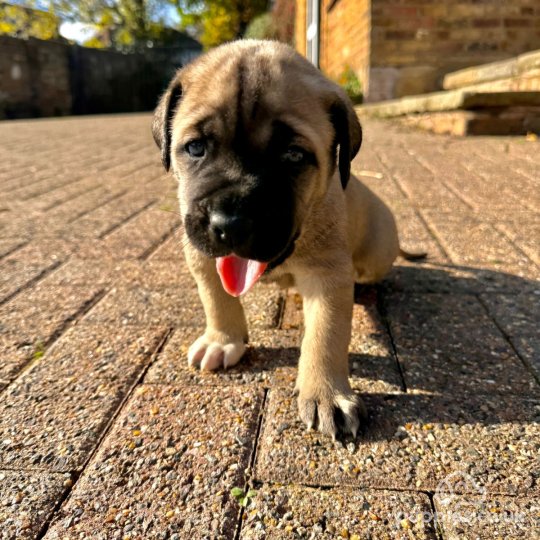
x,y
513,121
451,100
513,68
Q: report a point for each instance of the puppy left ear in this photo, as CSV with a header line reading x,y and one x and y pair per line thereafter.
x,y
163,116
348,134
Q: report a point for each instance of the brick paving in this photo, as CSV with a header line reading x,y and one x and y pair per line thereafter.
x,y
105,432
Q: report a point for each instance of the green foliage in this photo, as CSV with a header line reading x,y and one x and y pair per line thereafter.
x,y
352,85
129,24
39,351
123,24
261,27
23,22
218,21
243,498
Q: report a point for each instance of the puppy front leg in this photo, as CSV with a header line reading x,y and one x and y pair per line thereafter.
x,y
323,388
224,340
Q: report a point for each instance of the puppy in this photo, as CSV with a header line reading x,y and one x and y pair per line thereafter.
x,y
261,144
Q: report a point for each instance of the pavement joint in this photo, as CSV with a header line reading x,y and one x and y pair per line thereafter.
x,y
384,315
76,474
57,334
12,250
526,364
118,225
41,275
76,195
160,241
433,234
91,209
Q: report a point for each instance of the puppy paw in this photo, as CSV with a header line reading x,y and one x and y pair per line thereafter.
x,y
215,351
331,411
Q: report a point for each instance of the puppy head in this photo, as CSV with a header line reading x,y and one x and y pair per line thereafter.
x,y
253,133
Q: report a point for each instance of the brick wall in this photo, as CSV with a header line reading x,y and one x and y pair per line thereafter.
x,y
34,78
414,43
345,37
47,78
404,47
300,27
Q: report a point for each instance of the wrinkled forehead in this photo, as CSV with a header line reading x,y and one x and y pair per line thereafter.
x,y
253,96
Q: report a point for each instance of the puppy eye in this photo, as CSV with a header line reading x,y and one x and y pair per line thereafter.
x,y
294,154
196,148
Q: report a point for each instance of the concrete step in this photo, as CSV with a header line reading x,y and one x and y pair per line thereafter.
x,y
516,121
524,66
451,100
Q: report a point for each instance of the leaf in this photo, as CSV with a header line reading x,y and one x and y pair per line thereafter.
x,y
237,492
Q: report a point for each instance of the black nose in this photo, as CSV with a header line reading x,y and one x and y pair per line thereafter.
x,y
229,229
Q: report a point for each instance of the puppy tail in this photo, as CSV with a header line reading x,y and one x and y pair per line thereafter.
x,y
412,256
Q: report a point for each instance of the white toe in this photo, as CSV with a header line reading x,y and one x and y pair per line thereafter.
x,y
197,350
233,353
212,355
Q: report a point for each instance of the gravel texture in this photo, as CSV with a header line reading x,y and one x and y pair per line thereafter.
x,y
163,472
38,256
418,182
124,273
14,275
104,272
166,304
427,277
449,344
137,306
54,424
108,217
493,250
292,318
518,316
487,518
27,501
271,356
526,240
91,261
28,324
9,245
302,512
373,367
410,442
142,234
90,352
171,249
263,306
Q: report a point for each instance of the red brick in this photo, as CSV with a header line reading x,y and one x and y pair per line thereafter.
x,y
517,23
486,23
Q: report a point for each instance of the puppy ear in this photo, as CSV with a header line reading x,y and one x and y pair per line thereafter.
x,y
163,115
348,134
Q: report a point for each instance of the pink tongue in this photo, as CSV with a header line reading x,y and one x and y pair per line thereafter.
x,y
239,275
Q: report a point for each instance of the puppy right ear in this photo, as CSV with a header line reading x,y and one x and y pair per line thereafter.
x,y
163,115
348,134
